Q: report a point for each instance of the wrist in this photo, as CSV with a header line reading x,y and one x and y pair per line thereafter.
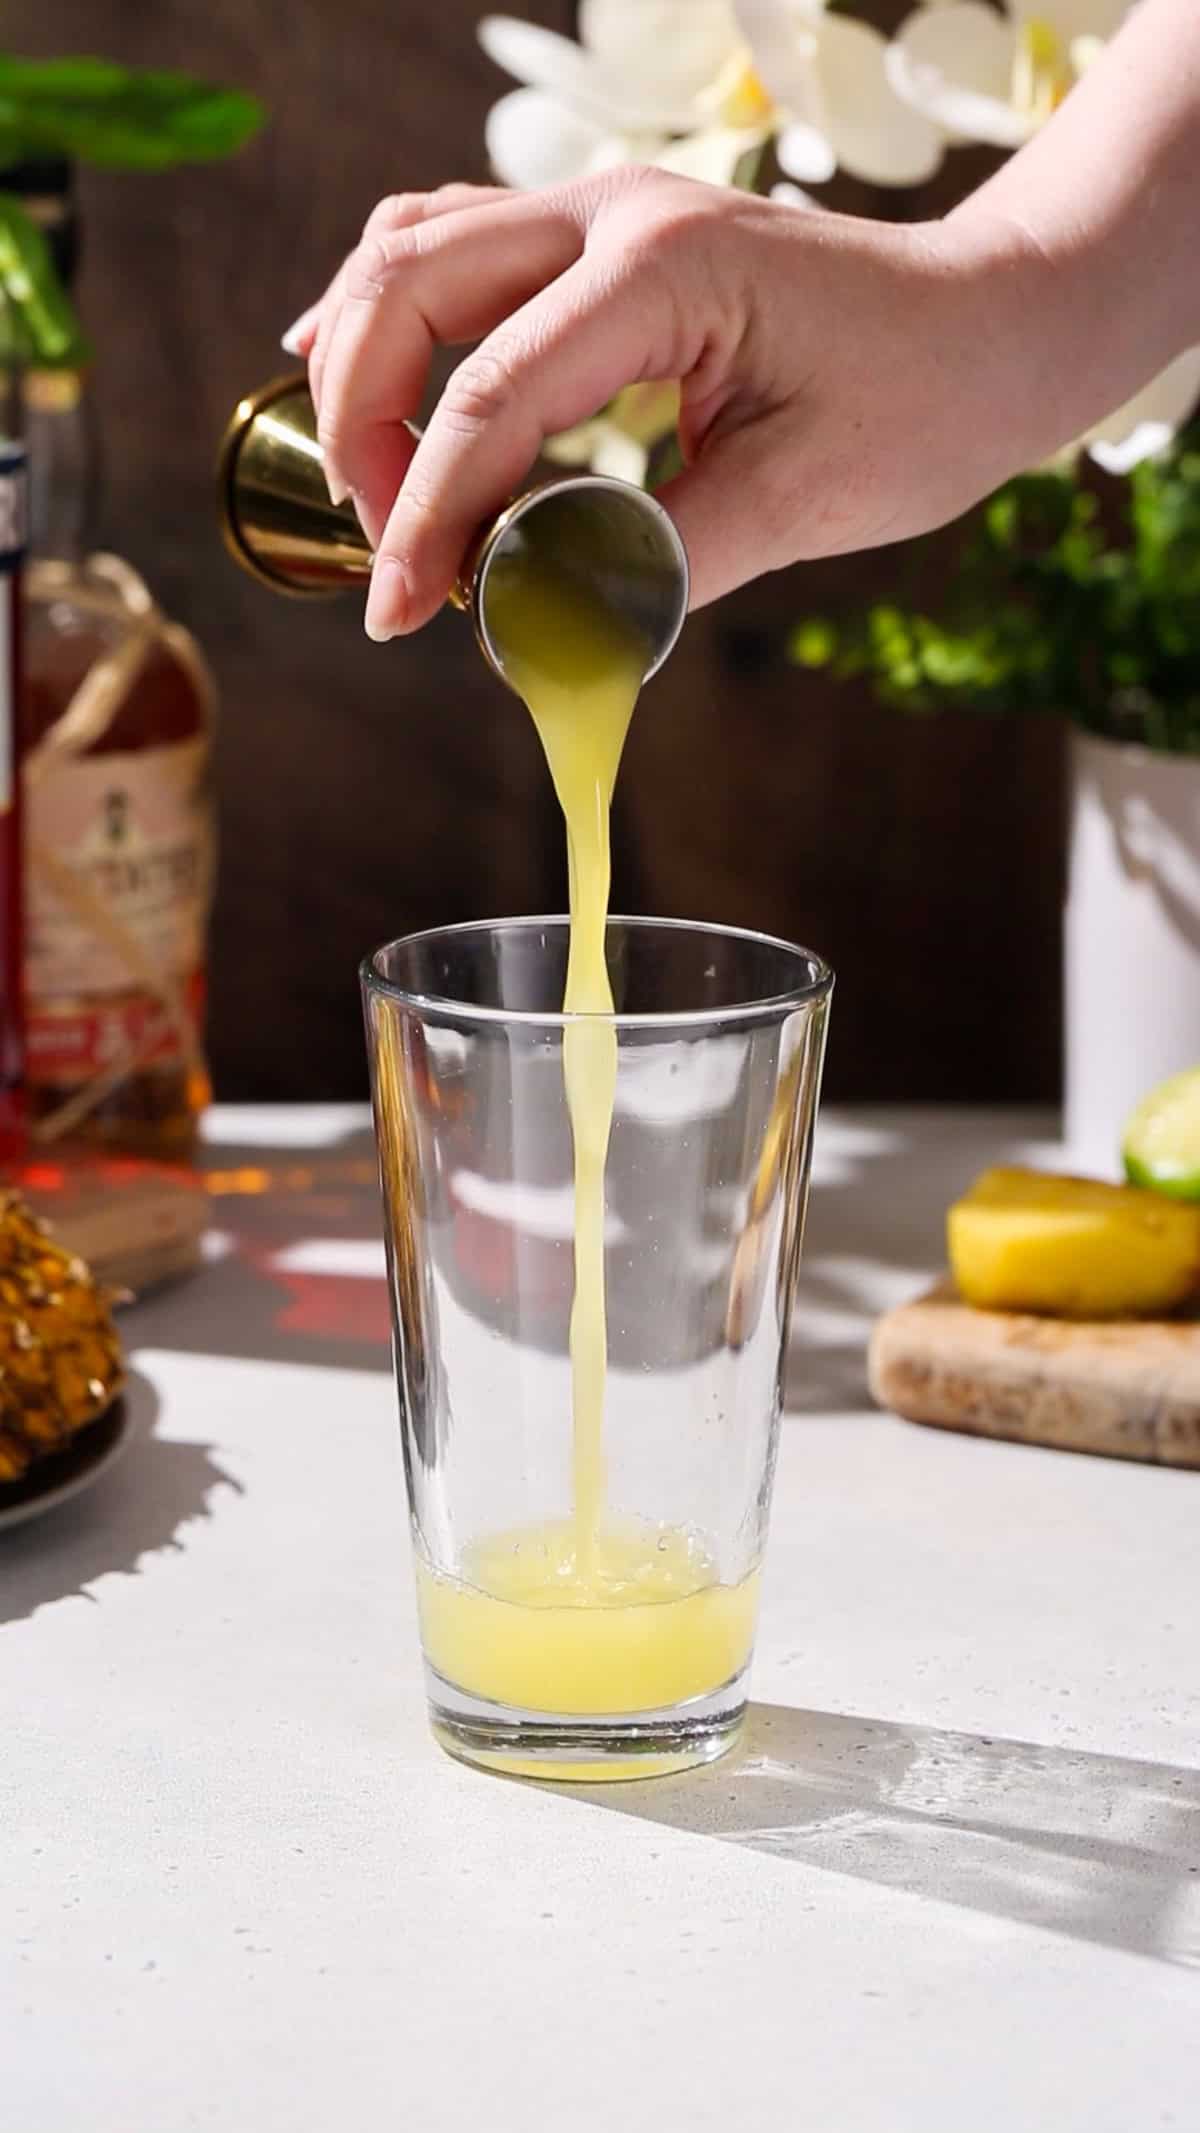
x,y
1018,290
1085,307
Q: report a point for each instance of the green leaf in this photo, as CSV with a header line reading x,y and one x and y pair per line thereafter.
x,y
813,642
118,118
748,169
1059,601
666,461
53,337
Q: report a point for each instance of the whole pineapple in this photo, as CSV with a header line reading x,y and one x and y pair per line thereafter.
x,y
60,1358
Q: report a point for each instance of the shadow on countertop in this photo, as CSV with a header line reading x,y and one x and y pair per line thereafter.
x,y
295,1269
138,1507
294,1266
1097,1847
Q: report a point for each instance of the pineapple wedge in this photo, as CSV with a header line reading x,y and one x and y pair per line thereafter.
x,y
1071,1247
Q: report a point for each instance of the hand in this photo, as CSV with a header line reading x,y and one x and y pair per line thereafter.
x,y
844,383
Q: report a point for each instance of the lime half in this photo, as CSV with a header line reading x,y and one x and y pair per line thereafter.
x,y
1161,1147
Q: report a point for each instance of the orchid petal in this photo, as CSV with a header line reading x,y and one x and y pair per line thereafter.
x,y
1147,423
717,155
1070,19
676,51
574,447
604,448
610,95
955,64
781,35
620,457
1149,440
874,135
804,153
792,196
647,411
1085,51
620,439
533,140
539,58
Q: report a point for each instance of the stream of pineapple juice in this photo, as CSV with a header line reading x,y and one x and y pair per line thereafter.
x,y
587,1615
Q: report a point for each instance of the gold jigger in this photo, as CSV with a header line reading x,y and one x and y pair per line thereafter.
x,y
279,524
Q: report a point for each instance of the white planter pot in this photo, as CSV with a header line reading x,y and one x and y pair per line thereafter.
x,y
1132,937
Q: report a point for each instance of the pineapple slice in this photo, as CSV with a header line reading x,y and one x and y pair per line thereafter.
x,y
1071,1247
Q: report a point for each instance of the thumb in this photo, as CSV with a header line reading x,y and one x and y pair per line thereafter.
x,y
737,507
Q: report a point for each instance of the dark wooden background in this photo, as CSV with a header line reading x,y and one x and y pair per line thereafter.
x,y
365,790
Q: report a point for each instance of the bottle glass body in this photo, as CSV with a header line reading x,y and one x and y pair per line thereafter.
x,y
115,728
119,854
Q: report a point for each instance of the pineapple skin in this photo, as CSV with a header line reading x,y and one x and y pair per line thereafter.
x,y
1067,1247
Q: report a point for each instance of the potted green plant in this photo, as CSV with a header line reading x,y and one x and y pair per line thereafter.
x,y
1066,603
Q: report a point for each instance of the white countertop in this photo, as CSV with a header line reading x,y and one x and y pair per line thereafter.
x,y
953,1884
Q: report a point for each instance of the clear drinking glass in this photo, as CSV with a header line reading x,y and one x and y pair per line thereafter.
x,y
611,1641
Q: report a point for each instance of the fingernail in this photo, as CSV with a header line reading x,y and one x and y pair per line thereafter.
x,y
388,600
338,489
298,338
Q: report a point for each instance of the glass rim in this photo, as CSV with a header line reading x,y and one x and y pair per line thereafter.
x,y
766,1008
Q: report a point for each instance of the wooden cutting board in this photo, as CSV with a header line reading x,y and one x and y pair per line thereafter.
x,y
136,1223
1129,1389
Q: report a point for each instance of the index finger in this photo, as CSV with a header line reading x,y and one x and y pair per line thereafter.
x,y
408,289
555,362
399,211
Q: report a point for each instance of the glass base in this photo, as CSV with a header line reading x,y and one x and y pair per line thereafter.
x,y
595,1750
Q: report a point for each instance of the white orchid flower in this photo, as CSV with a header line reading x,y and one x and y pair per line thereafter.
x,y
827,77
1147,424
698,86
651,81
620,440
997,77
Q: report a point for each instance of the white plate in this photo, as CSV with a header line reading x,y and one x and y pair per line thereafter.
x,y
51,1481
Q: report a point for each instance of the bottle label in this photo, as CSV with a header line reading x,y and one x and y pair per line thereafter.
x,y
69,1042
119,880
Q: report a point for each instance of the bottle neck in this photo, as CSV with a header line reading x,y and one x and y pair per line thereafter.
x,y
63,464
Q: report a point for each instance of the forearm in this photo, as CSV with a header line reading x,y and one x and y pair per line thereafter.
x,y
1096,223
